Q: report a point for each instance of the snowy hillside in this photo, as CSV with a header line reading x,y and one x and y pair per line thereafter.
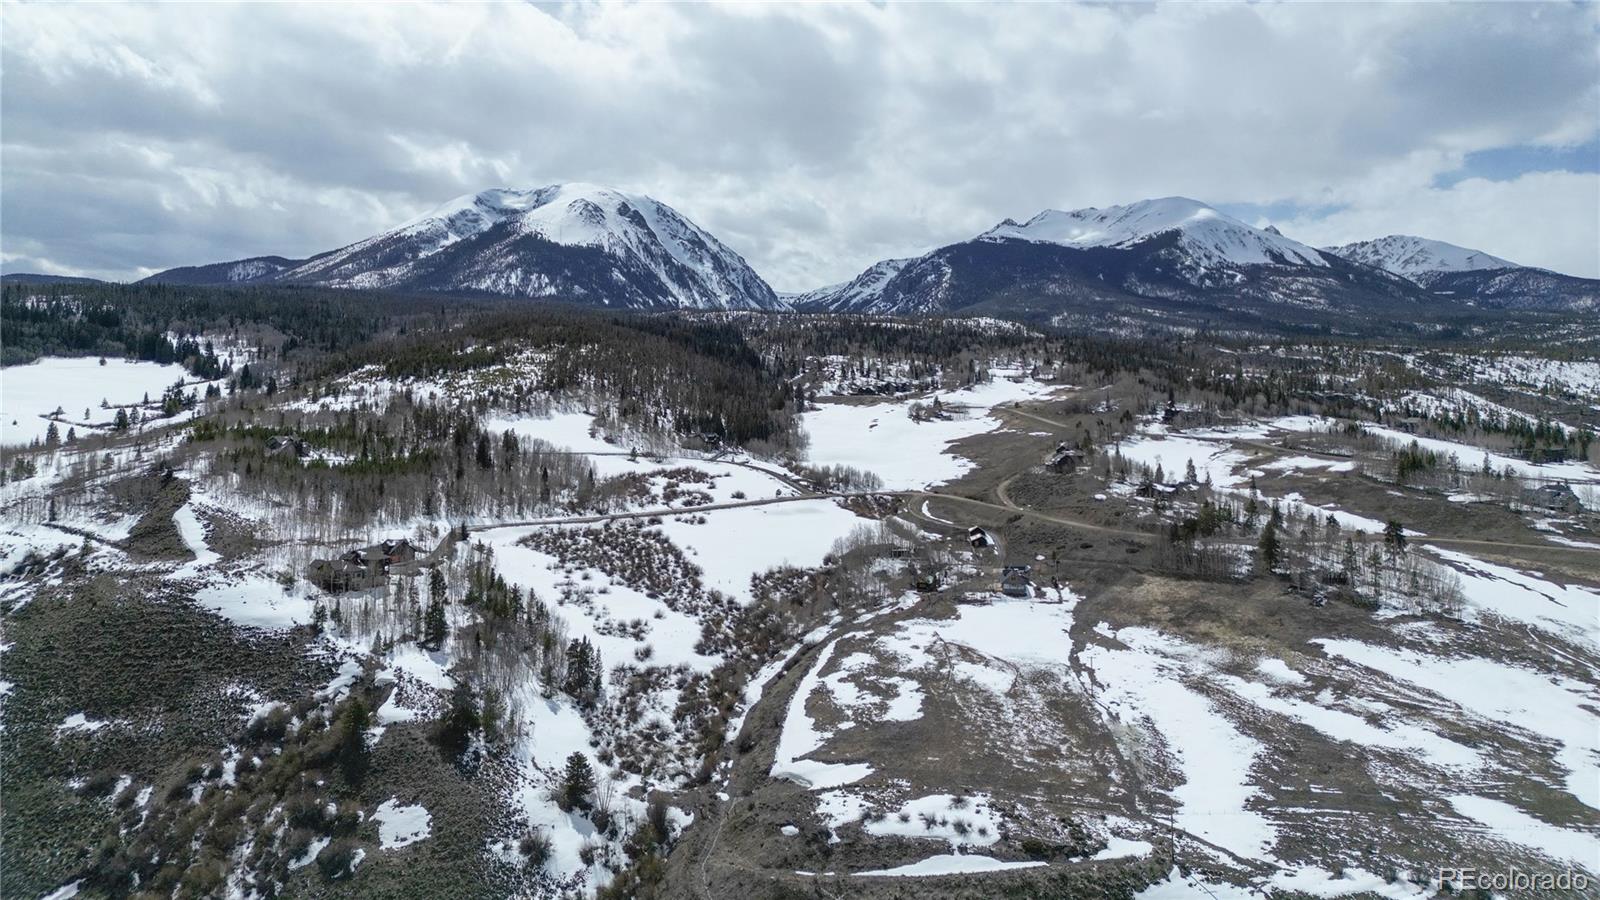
x,y
1206,235
239,271
858,294
1411,256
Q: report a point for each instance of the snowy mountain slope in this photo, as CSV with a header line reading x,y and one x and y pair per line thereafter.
x,y
1172,252
1410,256
1518,288
1473,276
576,242
858,294
1204,234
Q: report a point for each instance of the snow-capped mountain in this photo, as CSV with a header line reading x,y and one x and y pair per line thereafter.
x,y
1205,235
595,245
1165,251
858,294
575,242
1473,276
1414,257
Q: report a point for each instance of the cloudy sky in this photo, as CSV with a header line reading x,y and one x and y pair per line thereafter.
x,y
813,140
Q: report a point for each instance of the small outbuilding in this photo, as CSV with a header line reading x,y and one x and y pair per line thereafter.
x,y
979,538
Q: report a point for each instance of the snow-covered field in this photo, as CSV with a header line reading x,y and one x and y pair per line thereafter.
x,y
1206,719
73,385
1226,468
1214,461
801,738
1469,457
1580,377
1500,696
1146,684
573,431
1182,705
1210,449
734,544
1455,401
1570,610
883,439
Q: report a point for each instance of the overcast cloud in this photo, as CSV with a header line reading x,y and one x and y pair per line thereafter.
x,y
813,140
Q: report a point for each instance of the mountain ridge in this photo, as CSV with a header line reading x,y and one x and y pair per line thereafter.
x,y
584,243
572,241
1169,250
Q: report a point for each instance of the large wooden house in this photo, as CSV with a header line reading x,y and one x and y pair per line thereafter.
x,y
364,567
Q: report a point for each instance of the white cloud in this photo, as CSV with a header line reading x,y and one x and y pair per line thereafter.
x,y
814,139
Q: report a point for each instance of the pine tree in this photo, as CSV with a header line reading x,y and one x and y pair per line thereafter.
x,y
485,456
508,448
434,626
584,672
455,730
577,782
1269,546
1394,534
353,739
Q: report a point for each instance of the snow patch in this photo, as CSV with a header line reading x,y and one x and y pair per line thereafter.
x,y
400,826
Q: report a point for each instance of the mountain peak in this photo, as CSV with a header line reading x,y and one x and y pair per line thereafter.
x,y
542,242
1411,256
1210,237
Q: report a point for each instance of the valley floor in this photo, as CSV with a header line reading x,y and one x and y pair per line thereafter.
x,y
1203,657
